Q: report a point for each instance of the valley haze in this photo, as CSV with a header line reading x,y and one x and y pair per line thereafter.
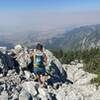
x,y
27,22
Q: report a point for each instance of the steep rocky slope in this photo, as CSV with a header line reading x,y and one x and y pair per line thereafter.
x,y
67,82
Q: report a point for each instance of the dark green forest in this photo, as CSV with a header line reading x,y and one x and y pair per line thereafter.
x,y
90,58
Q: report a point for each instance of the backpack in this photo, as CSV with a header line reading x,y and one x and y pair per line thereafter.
x,y
38,58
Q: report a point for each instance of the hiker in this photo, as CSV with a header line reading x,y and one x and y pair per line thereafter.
x,y
39,64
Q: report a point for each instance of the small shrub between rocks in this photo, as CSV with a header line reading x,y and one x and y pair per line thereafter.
x,y
96,80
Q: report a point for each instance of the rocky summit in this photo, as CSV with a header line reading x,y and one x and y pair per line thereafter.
x,y
65,82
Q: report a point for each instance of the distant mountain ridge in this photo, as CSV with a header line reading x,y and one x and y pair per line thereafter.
x,y
84,37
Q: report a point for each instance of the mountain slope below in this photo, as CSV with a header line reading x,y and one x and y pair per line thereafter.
x,y
84,37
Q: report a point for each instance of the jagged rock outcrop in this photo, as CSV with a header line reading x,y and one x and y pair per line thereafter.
x,y
55,68
18,86
81,89
65,82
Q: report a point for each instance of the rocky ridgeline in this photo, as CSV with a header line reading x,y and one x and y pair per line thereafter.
x,y
81,89
66,82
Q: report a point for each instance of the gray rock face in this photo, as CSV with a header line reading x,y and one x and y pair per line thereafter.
x,y
4,95
24,95
65,82
23,59
1,65
15,95
30,87
27,74
55,68
44,94
81,89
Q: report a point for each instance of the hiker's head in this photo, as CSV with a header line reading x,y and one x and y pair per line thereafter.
x,y
39,47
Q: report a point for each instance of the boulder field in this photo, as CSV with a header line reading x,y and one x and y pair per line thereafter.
x,y
65,82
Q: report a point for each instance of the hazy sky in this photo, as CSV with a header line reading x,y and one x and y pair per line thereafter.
x,y
42,15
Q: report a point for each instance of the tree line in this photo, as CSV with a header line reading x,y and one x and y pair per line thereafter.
x,y
90,58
